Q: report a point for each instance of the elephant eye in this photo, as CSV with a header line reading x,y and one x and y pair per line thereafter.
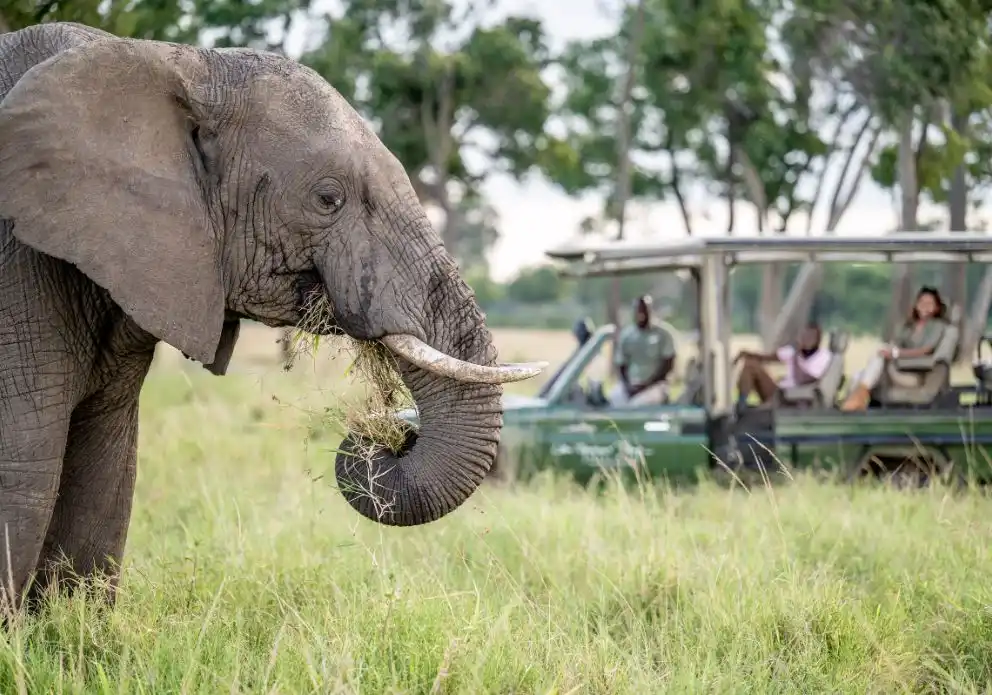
x,y
332,202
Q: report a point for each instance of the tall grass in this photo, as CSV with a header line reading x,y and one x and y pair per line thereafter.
x,y
247,572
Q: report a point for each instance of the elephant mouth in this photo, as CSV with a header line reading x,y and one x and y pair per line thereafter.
x,y
313,307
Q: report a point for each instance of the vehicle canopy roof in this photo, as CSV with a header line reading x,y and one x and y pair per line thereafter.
x,y
628,257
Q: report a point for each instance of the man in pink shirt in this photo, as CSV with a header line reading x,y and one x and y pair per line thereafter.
x,y
805,363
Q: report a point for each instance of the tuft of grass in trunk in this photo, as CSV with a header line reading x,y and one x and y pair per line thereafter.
x,y
372,419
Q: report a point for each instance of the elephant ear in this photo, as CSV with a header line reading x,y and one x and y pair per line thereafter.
x,y
225,349
102,165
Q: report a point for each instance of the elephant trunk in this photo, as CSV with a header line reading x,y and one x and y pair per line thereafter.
x,y
444,462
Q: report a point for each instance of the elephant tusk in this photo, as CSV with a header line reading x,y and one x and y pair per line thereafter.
x,y
419,353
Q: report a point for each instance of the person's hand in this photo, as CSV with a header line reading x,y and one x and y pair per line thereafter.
x,y
885,352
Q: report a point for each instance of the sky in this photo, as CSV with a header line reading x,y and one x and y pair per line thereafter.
x,y
535,216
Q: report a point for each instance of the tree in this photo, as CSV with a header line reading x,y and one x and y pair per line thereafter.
x,y
901,60
476,233
146,19
207,22
891,63
223,23
705,108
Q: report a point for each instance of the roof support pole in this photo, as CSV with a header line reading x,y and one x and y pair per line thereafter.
x,y
714,333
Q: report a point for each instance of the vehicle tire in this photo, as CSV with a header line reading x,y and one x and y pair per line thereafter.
x,y
902,468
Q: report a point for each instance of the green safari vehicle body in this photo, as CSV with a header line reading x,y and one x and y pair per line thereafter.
x,y
570,429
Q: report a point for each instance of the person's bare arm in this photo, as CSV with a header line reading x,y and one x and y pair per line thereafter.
x,y
659,375
624,378
620,362
757,356
922,351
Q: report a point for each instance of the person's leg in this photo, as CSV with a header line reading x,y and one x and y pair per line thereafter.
x,y
754,378
653,395
868,379
745,381
618,395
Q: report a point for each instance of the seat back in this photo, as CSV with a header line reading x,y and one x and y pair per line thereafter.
x,y
934,370
833,378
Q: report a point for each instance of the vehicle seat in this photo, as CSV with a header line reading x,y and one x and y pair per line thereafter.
x,y
934,369
692,384
824,392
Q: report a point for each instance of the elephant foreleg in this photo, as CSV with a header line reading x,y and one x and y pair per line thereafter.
x,y
30,466
89,526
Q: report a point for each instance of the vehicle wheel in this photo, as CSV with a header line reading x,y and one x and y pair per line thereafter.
x,y
903,470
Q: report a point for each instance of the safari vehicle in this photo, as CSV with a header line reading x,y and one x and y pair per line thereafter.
x,y
938,429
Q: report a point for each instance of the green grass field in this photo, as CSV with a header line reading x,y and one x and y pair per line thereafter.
x,y
247,573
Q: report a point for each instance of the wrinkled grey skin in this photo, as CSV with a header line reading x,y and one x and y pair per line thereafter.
x,y
153,191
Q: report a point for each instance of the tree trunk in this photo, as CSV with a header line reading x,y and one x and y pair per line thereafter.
x,y
440,143
624,137
909,197
956,274
772,298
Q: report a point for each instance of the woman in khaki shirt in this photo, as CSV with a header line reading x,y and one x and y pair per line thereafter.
x,y
917,337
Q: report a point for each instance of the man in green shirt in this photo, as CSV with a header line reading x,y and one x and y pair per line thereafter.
x,y
644,357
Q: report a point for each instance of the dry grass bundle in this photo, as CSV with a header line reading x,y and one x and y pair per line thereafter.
x,y
372,419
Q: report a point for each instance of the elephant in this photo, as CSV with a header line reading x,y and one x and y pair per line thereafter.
x,y
155,191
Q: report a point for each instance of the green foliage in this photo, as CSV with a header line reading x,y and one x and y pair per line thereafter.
x,y
936,162
489,81
535,285
894,54
246,22
705,82
146,19
223,22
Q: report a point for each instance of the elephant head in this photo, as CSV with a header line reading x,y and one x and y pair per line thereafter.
x,y
198,187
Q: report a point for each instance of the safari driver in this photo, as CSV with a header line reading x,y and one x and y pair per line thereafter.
x,y
644,357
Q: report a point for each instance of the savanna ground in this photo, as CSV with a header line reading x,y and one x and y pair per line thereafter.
x,y
247,572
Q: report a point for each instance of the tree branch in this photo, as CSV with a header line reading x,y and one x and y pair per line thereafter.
x,y
754,185
838,201
845,203
921,145
832,149
437,134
